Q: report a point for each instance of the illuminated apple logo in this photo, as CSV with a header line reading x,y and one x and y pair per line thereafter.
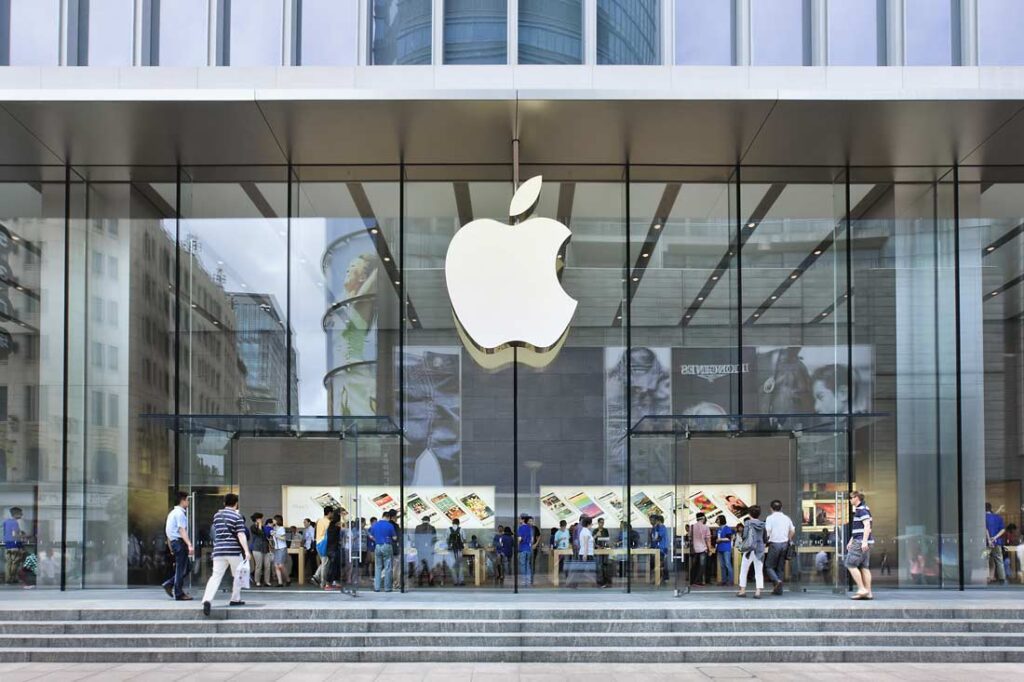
x,y
503,280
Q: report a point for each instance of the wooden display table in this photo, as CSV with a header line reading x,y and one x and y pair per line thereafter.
x,y
612,552
301,552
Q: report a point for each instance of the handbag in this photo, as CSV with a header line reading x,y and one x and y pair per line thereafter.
x,y
321,546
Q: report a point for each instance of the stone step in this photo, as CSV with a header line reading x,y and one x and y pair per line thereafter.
x,y
764,611
539,625
653,654
569,641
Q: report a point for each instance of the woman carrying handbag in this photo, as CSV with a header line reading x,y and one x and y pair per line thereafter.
x,y
752,548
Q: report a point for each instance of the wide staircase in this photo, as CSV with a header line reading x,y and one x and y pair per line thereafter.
x,y
685,633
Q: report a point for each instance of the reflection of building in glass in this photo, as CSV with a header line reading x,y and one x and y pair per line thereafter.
x,y
401,31
550,32
350,267
263,349
627,32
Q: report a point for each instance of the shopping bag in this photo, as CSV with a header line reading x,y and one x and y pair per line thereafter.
x,y
243,574
321,547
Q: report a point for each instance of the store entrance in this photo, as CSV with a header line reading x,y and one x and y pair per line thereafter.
x,y
723,466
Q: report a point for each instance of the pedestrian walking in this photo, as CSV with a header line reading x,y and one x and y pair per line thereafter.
x,y
230,547
780,534
180,545
858,550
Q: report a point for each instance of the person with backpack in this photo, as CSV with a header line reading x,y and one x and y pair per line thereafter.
x,y
456,544
752,547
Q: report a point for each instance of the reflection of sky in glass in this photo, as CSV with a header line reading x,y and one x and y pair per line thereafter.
x,y
35,32
1000,23
329,33
777,32
704,32
256,30
853,33
183,33
928,32
111,32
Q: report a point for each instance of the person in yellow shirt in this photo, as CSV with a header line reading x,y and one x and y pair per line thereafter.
x,y
321,530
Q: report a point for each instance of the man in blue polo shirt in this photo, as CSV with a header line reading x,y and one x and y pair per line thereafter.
x,y
995,535
383,534
858,549
525,535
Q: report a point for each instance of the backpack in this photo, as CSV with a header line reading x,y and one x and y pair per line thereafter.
x,y
455,543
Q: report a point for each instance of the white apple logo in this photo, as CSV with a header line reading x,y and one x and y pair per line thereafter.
x,y
503,279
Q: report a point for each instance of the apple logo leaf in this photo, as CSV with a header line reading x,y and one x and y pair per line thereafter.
x,y
525,197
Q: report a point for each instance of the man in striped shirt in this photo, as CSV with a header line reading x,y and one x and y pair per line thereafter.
x,y
230,545
858,550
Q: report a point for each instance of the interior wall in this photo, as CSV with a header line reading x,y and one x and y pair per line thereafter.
x,y
263,465
762,460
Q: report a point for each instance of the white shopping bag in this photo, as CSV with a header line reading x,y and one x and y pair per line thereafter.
x,y
243,574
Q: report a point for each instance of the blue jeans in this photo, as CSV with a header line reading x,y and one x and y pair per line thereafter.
x,y
525,568
725,567
382,554
182,567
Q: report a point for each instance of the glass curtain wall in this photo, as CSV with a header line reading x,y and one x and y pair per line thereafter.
x,y
769,291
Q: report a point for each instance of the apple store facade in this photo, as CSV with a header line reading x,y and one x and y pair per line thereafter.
x,y
774,300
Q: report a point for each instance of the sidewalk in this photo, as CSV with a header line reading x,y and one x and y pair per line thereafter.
x,y
506,672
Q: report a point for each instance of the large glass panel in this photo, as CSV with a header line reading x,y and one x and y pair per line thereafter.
x,y
629,32
105,33
550,31
856,32
931,32
33,37
904,458
129,296
459,454
254,32
999,26
992,343
794,327
780,32
705,33
683,354
571,451
32,250
401,32
328,33
476,32
178,32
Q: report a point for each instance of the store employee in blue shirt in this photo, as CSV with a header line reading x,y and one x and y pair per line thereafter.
x,y
383,534
525,535
995,530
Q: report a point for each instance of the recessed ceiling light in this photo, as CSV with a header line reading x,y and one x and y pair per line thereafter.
x,y
817,252
757,314
397,282
751,225
991,248
687,317
373,230
636,279
618,317
774,297
386,259
825,314
414,319
714,278
994,293
794,276
657,226
700,298
644,255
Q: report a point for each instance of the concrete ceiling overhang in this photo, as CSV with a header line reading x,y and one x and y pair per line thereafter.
x,y
249,127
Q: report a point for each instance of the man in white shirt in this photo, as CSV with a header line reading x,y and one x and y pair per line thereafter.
x,y
780,531
180,545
